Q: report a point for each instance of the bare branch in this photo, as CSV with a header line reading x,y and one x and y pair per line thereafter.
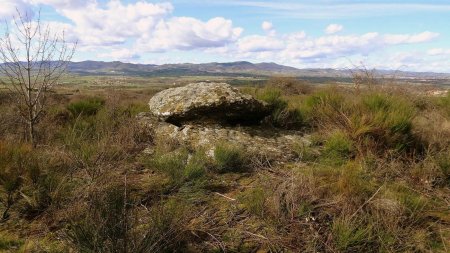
x,y
32,61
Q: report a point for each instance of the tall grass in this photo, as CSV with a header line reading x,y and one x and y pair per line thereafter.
x,y
373,121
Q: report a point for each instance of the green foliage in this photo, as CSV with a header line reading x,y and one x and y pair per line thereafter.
x,y
179,165
373,121
196,165
172,164
166,228
104,228
111,226
87,107
254,200
14,162
273,97
282,115
338,149
350,236
444,103
305,152
229,158
443,162
46,187
8,242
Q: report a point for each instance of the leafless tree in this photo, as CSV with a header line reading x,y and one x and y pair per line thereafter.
x,y
32,61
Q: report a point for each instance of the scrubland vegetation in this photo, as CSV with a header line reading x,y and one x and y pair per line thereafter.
x,y
376,177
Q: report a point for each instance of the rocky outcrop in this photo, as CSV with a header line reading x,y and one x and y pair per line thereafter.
x,y
201,115
270,144
205,103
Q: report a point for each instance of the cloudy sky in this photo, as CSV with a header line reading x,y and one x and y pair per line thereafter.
x,y
401,35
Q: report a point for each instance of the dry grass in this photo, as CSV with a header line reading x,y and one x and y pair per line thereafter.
x,y
376,178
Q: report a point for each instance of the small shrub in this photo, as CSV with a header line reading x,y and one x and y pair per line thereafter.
x,y
254,200
273,97
443,162
166,228
290,85
444,103
229,158
14,161
196,165
9,243
172,164
375,122
104,227
49,188
87,107
338,149
350,236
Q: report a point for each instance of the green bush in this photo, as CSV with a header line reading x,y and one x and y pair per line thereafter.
x,y
173,164
14,162
8,242
443,162
166,229
229,158
338,149
87,107
282,115
254,200
444,103
110,225
350,236
196,165
104,228
375,122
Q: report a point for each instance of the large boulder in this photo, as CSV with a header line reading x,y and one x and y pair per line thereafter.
x,y
207,102
260,143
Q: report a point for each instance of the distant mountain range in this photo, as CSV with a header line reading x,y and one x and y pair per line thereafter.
x,y
240,68
232,69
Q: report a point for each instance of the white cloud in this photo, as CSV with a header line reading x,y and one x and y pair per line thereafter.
x,y
116,23
8,8
150,26
267,26
438,51
123,54
64,3
410,38
298,49
313,9
333,28
122,30
257,43
185,33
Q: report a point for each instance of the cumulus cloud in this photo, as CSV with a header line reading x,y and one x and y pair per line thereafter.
x,y
268,28
257,43
115,23
141,26
299,48
122,30
333,28
123,54
186,33
8,8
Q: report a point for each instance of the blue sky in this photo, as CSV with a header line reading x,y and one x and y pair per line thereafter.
x,y
404,35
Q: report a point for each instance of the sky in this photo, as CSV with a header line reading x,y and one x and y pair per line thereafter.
x,y
408,35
